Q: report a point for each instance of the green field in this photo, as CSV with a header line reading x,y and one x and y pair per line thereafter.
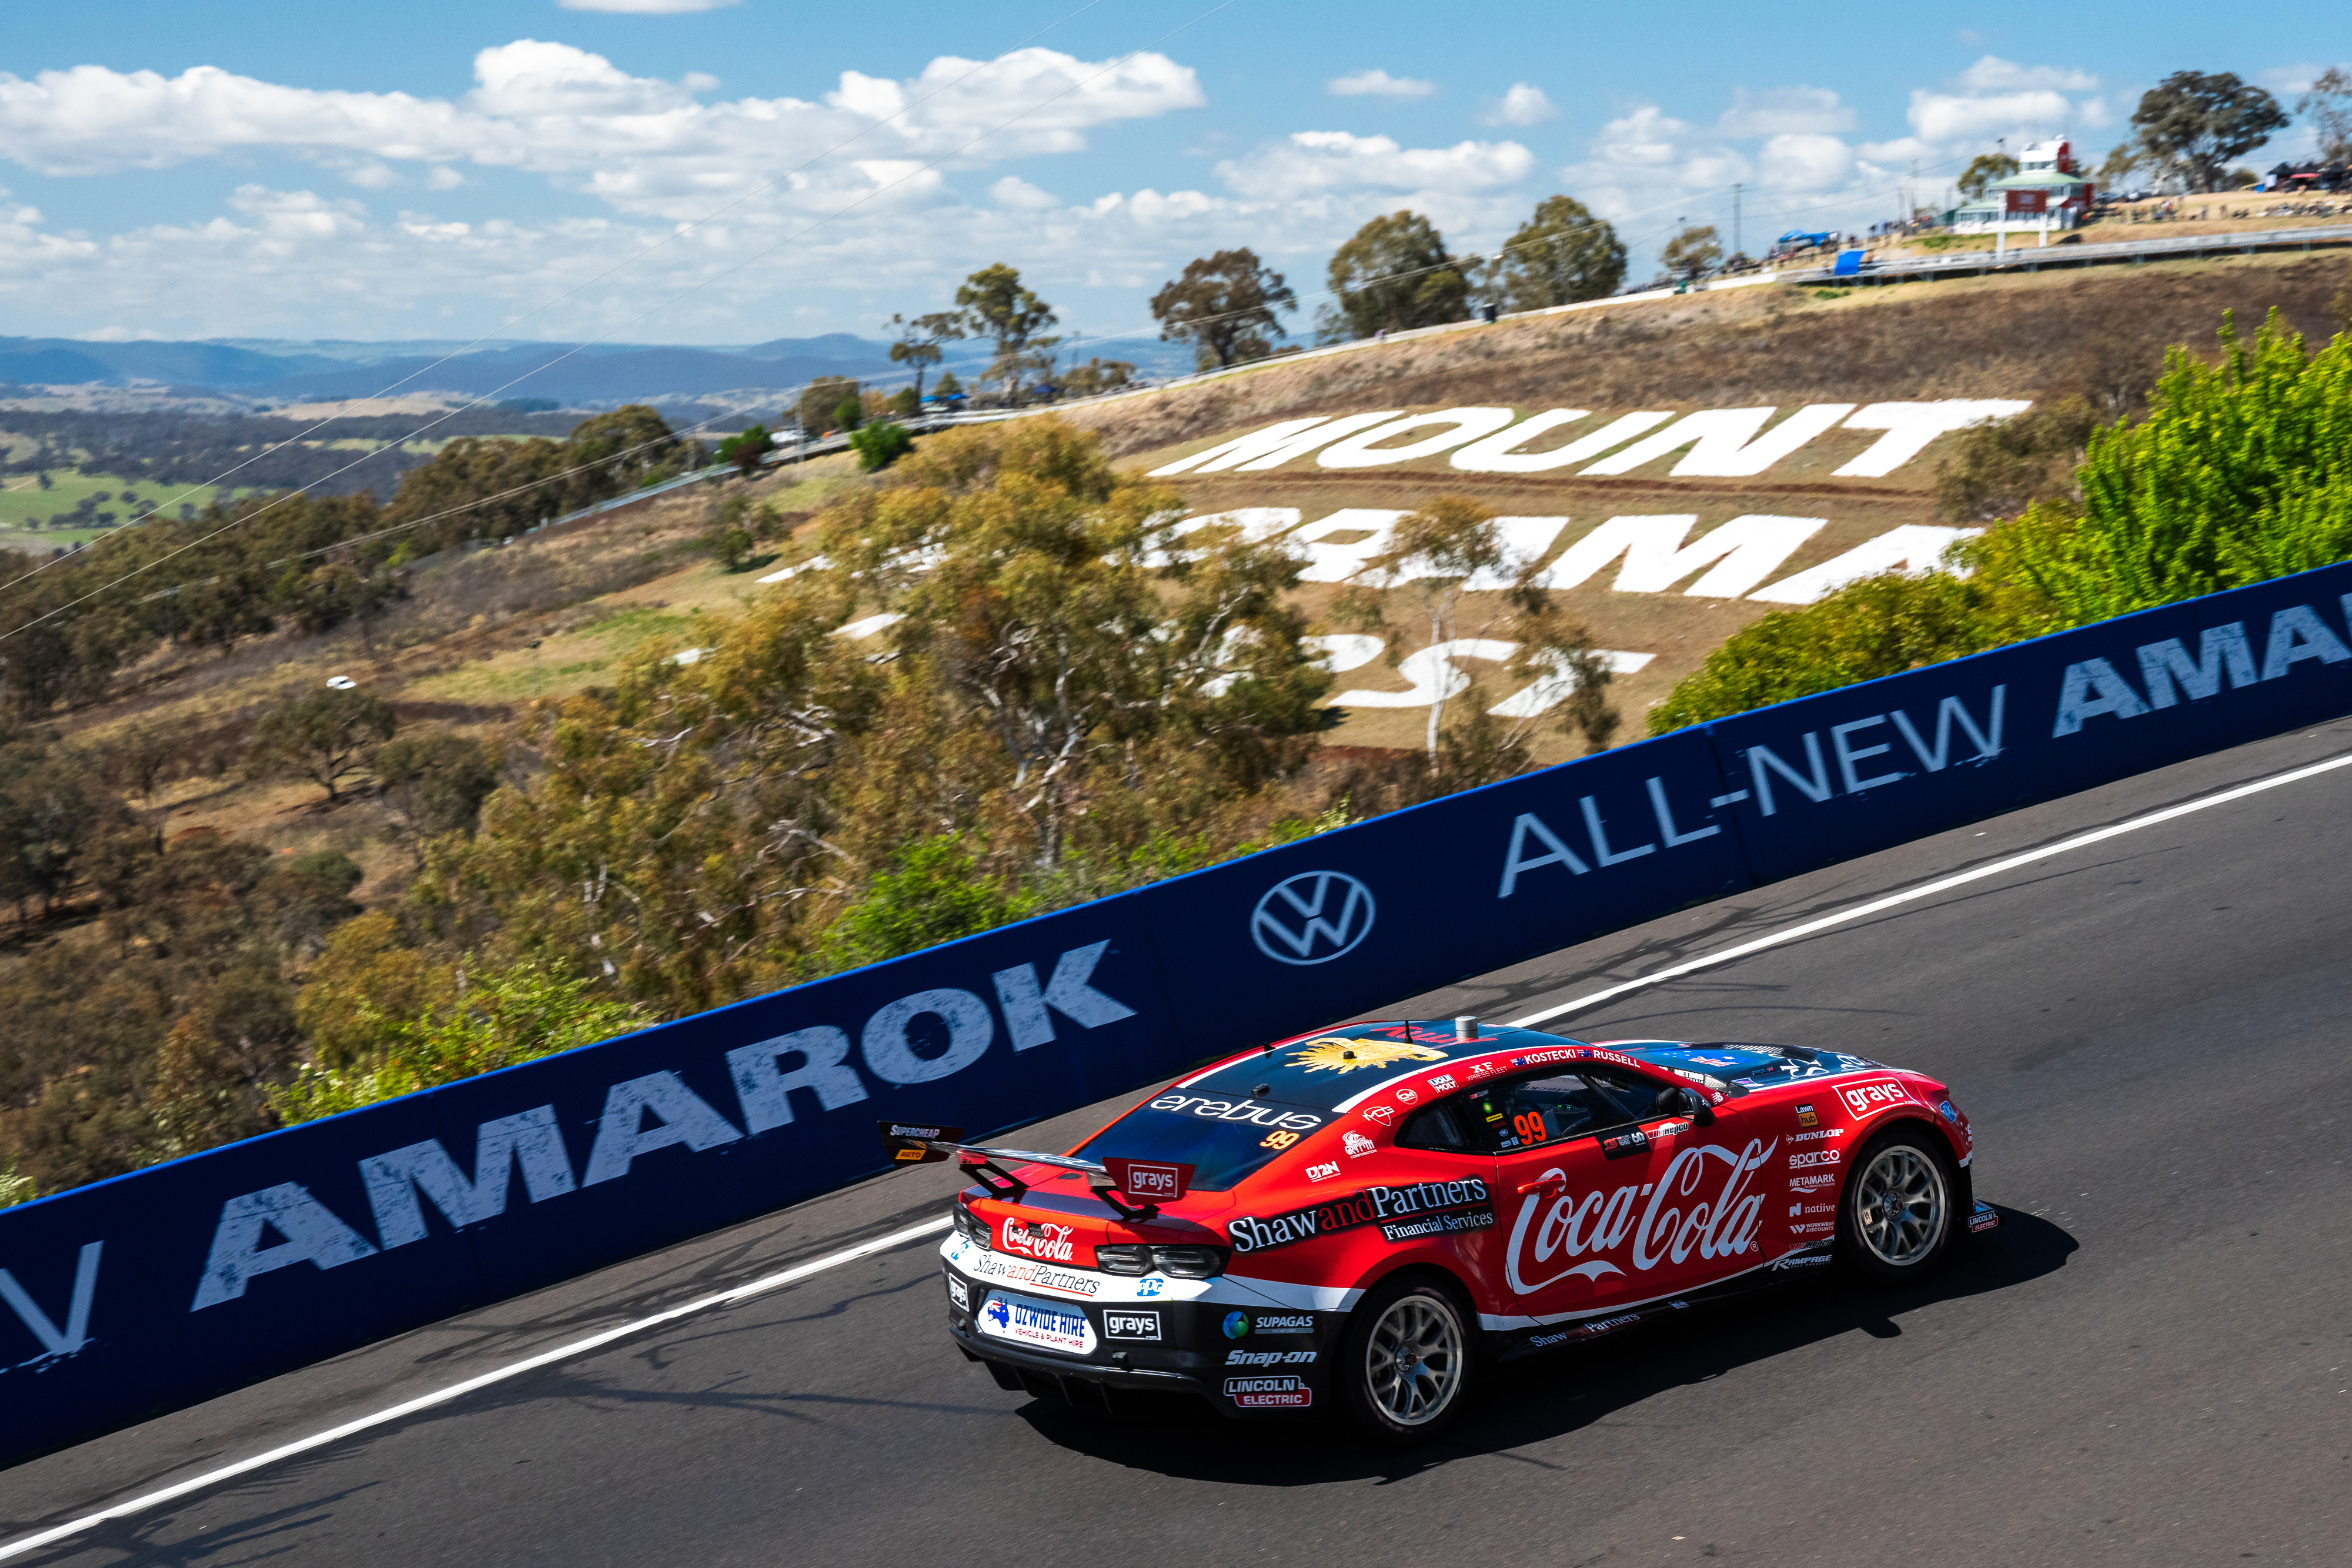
x,y
25,508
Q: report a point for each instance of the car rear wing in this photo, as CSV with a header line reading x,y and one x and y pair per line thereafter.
x,y
1129,1188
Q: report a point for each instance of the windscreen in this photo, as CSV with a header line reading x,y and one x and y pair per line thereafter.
x,y
1224,1139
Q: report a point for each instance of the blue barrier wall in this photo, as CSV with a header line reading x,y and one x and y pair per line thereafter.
x,y
159,1287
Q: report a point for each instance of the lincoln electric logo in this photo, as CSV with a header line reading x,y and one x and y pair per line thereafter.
x,y
1312,918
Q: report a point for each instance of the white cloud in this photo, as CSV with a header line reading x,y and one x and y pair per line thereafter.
x,y
1784,111
1379,84
1945,117
645,7
1522,105
641,143
1996,97
1805,163
1320,161
1014,192
1993,74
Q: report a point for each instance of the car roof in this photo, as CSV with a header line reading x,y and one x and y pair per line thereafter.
x,y
1331,1066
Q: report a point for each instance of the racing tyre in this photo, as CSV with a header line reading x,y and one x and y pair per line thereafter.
x,y
1898,1213
1405,1361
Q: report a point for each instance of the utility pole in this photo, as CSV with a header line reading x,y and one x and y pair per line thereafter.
x,y
1736,248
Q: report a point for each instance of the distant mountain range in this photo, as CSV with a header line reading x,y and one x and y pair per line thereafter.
x,y
571,374
568,372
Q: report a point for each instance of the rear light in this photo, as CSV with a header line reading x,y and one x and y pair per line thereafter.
x,y
1123,1259
1189,1262
972,1227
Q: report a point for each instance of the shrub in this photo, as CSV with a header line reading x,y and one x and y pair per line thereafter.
x,y
879,445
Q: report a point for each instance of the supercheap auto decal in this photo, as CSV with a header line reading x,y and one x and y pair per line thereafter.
x,y
1403,1213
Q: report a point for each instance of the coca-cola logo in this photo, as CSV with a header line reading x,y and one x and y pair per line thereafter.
x,y
1562,1235
1048,1243
1871,1094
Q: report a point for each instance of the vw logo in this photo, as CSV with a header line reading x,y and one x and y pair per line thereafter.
x,y
1312,918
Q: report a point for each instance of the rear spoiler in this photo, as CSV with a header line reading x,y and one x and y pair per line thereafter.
x,y
1127,1187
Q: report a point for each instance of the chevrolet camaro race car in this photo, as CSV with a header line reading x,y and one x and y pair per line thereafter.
x,y
1362,1219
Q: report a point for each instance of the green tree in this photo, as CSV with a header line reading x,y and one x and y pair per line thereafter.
x,y
1560,254
1224,306
1097,375
996,305
503,1017
622,451
1985,169
1692,252
323,735
2194,124
918,343
879,444
948,385
2328,105
820,400
936,893
1393,274
2122,161
747,449
433,784
1438,557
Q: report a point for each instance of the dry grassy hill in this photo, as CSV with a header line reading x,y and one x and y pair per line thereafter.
x,y
2099,334
486,633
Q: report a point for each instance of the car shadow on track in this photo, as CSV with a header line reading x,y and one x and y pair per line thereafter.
x,y
1544,1397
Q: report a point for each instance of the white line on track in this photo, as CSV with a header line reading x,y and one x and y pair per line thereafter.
x,y
916,1232
458,1390
1930,890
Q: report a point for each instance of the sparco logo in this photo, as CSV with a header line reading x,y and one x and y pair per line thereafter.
x,y
1312,918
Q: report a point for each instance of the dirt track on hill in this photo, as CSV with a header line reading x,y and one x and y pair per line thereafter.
x,y
2100,332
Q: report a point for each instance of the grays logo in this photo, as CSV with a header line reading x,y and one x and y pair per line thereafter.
x,y
1313,917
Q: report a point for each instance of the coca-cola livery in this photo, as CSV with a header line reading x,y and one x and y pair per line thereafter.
x,y
1358,1220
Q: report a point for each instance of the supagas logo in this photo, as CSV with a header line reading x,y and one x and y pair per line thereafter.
x,y
1313,917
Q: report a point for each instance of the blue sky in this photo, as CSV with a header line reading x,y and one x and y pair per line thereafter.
x,y
441,169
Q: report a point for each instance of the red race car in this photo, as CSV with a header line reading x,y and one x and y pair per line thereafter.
x,y
1363,1218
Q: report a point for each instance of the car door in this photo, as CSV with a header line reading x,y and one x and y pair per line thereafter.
x,y
1608,1196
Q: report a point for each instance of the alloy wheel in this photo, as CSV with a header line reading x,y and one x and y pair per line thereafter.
x,y
1414,1358
1899,1206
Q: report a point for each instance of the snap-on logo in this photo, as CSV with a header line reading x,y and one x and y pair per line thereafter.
x,y
1313,917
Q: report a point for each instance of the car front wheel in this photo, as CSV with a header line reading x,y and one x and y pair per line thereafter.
x,y
1896,1222
1405,1361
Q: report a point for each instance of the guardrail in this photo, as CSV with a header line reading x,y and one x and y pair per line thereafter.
x,y
2033,258
159,1287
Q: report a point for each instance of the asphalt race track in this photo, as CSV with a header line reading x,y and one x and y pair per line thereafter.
x,y
2151,1366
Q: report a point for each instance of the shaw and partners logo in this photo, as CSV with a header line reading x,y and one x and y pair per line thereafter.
x,y
1313,917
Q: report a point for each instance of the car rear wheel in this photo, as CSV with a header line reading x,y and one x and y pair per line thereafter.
x,y
1405,1361
1896,1222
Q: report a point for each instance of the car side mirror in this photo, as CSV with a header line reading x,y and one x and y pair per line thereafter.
x,y
1680,1102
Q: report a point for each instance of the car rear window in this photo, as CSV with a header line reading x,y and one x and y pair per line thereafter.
x,y
1222,1138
